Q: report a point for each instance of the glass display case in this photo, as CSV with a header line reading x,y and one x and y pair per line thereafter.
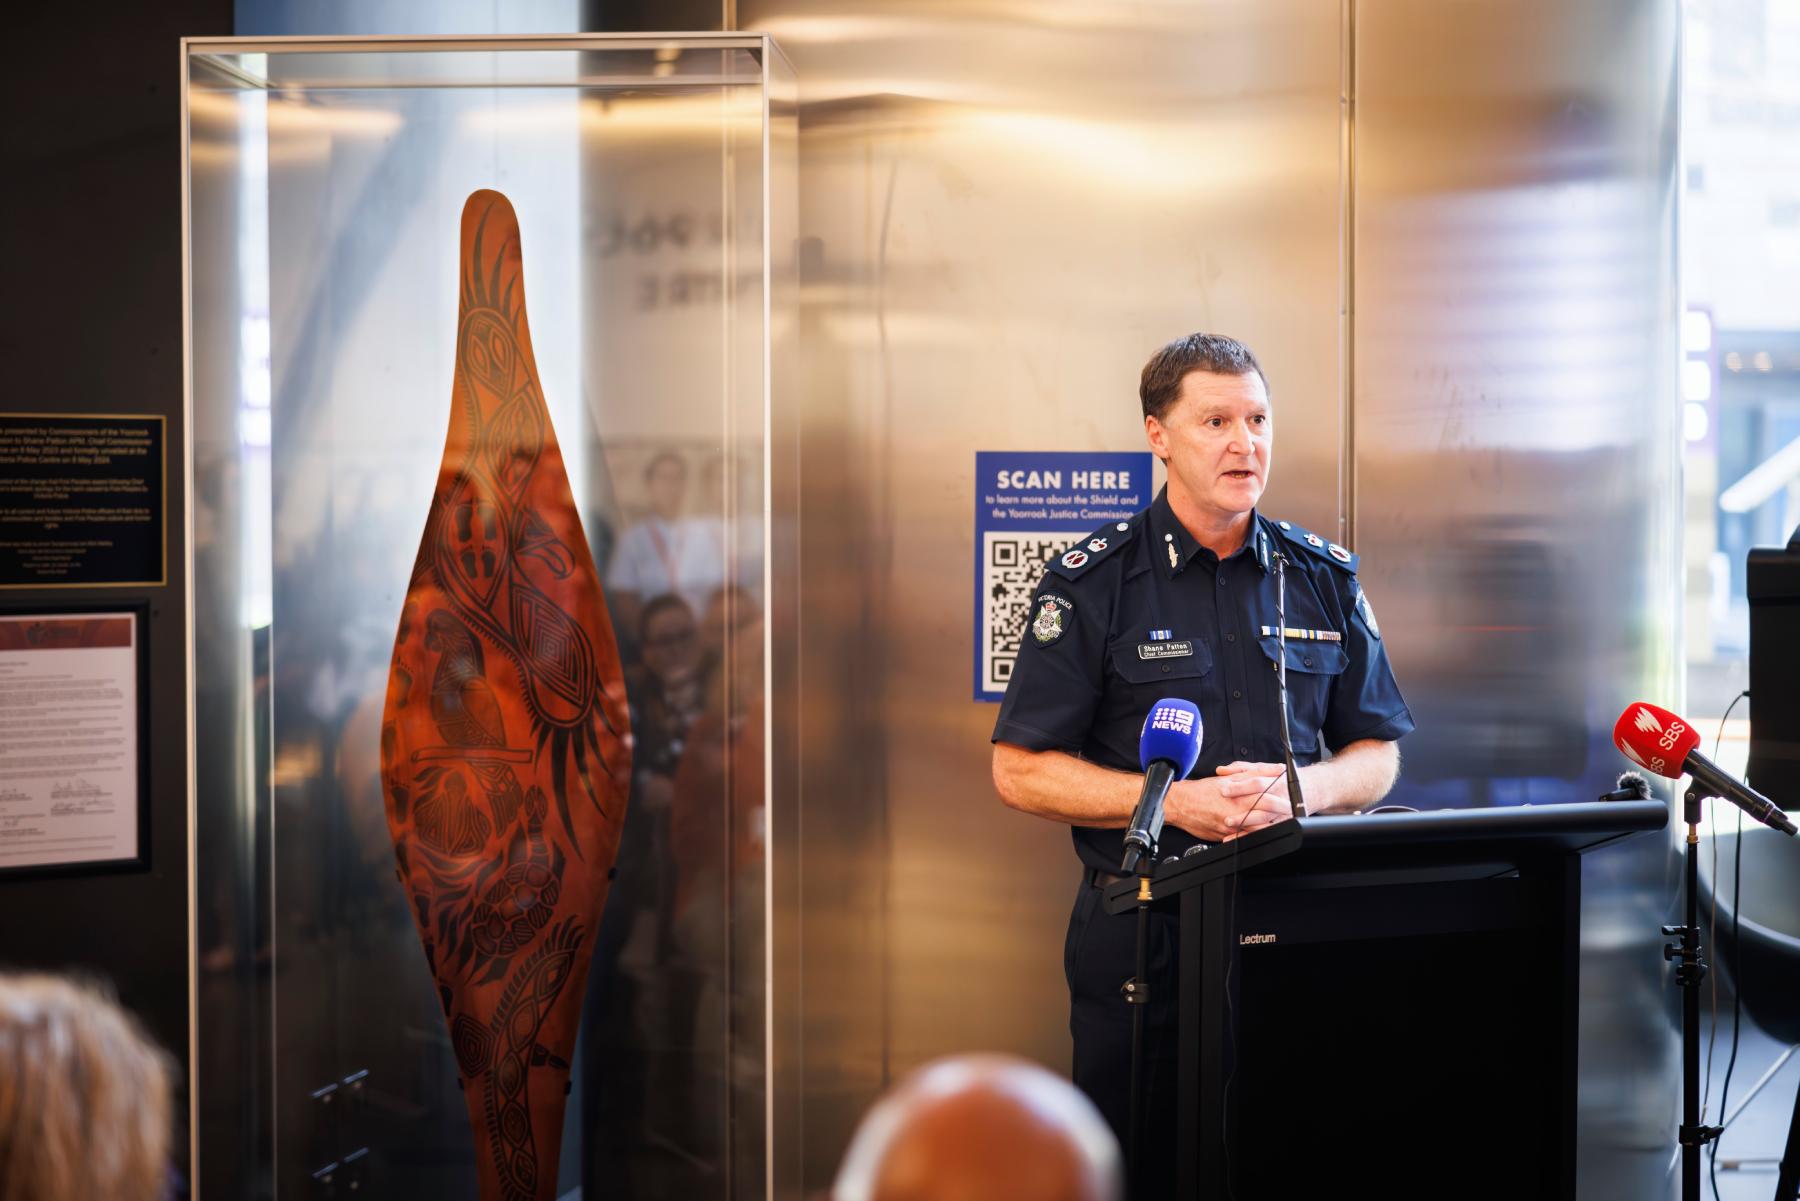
x,y
654,182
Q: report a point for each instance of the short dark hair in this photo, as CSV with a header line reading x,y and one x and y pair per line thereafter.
x,y
656,606
1161,381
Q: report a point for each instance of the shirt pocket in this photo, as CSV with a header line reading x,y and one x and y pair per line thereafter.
x,y
1313,669
1150,680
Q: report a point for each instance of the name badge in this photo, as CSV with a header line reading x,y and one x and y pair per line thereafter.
x,y
1165,650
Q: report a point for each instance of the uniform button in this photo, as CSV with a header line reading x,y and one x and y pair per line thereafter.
x,y
1221,581
1307,660
1231,637
1165,669
1243,750
1123,526
1236,695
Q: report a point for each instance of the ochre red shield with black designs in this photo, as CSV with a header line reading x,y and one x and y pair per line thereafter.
x,y
504,753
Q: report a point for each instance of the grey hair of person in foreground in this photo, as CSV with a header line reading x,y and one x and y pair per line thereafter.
x,y
979,1127
84,1096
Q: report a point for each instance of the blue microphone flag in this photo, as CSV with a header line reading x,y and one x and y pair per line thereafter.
x,y
1171,734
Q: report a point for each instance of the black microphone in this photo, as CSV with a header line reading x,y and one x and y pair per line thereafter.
x,y
1168,748
1659,741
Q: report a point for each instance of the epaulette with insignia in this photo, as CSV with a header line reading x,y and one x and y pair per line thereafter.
x,y
1083,553
1331,552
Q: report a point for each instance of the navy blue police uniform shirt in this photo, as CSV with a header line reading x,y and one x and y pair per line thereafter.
x,y
1139,610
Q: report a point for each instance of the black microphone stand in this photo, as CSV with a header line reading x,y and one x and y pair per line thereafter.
x,y
1137,995
1690,970
1295,801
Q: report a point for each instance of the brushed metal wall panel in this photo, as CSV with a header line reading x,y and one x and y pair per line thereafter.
x,y
1006,208
1515,433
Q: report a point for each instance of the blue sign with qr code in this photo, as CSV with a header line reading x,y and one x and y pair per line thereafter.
x,y
1029,507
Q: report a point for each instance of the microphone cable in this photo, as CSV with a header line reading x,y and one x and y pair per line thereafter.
x,y
1737,977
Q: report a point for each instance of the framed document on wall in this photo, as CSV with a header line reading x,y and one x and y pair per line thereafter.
x,y
73,739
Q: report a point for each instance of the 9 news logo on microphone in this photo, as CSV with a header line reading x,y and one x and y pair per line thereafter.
x,y
1173,718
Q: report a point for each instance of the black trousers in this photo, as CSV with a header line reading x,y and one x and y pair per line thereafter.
x,y
1099,956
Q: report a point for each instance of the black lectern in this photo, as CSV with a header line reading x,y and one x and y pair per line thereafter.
x,y
1383,999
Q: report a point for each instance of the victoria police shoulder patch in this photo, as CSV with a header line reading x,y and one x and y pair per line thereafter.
x,y
1052,618
1366,611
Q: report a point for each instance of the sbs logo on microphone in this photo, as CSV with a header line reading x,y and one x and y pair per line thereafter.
x,y
1646,721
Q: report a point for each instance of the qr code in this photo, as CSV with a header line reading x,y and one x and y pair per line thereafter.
x,y
1012,564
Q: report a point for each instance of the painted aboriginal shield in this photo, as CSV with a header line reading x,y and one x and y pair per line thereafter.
x,y
504,754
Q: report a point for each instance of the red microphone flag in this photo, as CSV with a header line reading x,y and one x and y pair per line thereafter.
x,y
1654,738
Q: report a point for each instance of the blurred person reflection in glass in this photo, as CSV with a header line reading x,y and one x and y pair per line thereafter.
x,y
715,832
667,551
667,694
974,1127
84,1097
731,612
666,688
638,1056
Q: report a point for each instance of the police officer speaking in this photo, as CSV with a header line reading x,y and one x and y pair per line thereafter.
x,y
1181,601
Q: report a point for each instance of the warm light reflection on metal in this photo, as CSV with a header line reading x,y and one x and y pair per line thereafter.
x,y
658,116
1149,157
294,117
291,116
988,20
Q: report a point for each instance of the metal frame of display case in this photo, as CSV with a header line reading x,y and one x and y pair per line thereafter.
x,y
779,498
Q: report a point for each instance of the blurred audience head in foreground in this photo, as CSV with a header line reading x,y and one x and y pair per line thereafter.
x,y
84,1096
977,1127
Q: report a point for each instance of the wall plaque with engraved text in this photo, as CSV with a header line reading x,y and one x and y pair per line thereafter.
x,y
83,501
